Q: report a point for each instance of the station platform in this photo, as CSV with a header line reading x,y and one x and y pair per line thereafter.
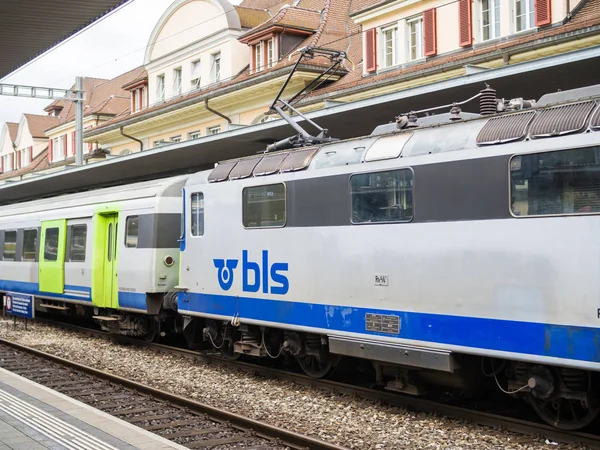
x,y
34,417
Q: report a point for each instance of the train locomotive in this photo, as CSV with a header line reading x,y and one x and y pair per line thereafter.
x,y
440,249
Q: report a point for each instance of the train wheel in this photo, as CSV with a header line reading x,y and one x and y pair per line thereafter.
x,y
317,366
571,407
228,353
565,413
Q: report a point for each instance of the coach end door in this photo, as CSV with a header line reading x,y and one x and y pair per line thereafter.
x,y
52,256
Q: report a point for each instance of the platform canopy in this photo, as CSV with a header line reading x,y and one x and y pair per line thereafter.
x,y
28,28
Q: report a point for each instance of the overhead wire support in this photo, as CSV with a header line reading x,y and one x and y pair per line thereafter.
x,y
76,96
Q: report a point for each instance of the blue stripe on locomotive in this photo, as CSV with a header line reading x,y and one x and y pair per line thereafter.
x,y
558,341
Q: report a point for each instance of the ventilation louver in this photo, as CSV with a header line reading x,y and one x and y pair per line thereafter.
x,y
298,160
560,120
511,127
595,123
269,164
244,168
221,172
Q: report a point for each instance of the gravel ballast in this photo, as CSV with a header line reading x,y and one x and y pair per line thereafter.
x,y
332,417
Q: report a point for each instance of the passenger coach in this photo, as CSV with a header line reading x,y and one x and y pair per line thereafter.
x,y
110,253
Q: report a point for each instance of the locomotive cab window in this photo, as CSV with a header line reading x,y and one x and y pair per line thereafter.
x,y
29,245
51,245
382,196
561,182
10,246
264,206
131,231
197,222
77,243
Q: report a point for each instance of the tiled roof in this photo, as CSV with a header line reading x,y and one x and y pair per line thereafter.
x,y
250,17
13,129
587,17
39,124
292,17
364,5
271,6
103,96
40,162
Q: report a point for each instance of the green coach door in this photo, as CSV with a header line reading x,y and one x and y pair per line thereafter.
x,y
52,256
105,286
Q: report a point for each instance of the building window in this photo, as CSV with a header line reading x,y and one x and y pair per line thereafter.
x,y
176,138
135,100
77,243
415,38
490,19
10,246
57,149
270,53
524,15
29,245
197,221
143,93
25,157
160,88
196,75
194,135
215,67
556,183
177,81
131,232
8,163
258,57
213,130
382,196
264,206
389,46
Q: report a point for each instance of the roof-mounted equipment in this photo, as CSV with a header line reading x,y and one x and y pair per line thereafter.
x,y
304,138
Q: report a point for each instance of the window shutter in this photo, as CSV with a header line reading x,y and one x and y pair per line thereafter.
x,y
30,154
73,143
371,50
543,13
430,32
465,23
64,146
50,149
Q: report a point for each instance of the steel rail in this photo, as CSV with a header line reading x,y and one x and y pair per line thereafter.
x,y
286,437
390,398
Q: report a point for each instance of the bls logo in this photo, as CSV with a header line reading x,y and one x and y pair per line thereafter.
x,y
254,275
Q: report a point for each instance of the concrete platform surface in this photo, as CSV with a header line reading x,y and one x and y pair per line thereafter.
x,y
34,417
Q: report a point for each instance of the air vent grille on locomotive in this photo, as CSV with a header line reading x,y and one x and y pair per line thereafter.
x,y
298,159
512,127
244,168
560,120
595,122
269,164
221,172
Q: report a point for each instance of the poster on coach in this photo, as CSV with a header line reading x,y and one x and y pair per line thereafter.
x,y
20,305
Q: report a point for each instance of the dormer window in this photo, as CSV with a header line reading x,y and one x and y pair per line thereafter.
x,y
138,99
160,88
215,67
177,81
270,53
263,55
258,57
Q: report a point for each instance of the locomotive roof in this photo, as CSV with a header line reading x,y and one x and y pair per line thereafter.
x,y
556,114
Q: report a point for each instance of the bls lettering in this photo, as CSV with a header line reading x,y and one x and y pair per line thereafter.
x,y
255,276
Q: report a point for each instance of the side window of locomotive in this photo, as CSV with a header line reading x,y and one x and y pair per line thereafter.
x,y
382,196
51,244
264,206
29,245
559,182
77,243
10,246
131,231
197,216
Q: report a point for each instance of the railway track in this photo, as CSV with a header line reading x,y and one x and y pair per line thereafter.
x,y
524,427
186,422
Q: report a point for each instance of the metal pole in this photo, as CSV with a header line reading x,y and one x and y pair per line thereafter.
x,y
79,122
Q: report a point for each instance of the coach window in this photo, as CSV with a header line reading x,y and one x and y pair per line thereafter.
x,y
51,244
77,243
131,232
561,182
382,196
197,222
10,245
264,206
29,245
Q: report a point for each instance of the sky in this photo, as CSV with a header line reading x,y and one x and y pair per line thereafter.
x,y
106,49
